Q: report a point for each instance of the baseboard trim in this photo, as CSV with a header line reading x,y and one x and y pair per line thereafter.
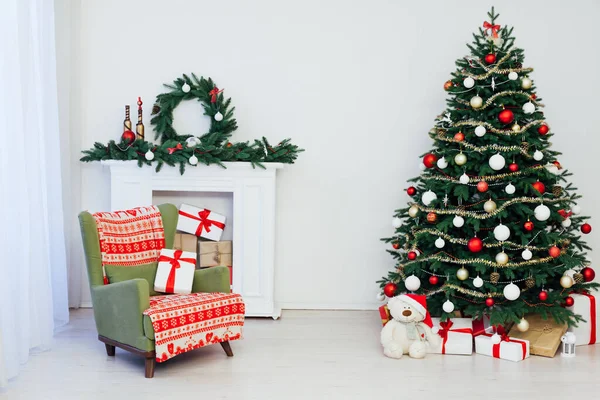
x,y
328,306
86,304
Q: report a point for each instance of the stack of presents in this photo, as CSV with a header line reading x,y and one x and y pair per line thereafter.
x,y
462,336
197,245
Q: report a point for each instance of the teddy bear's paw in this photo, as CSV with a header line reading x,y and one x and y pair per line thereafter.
x,y
392,351
417,350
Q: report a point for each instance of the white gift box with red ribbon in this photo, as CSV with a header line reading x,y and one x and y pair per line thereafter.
x,y
506,349
456,336
586,306
482,325
175,272
201,222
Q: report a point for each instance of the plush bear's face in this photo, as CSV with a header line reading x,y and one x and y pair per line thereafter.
x,y
403,312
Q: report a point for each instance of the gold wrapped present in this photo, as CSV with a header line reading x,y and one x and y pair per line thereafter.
x,y
543,335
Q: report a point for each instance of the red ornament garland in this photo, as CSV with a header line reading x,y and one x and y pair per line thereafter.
x,y
475,245
429,160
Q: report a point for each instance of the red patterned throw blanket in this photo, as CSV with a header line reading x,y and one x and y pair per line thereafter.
x,y
131,237
186,322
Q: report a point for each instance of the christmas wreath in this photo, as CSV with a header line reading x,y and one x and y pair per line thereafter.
x,y
213,147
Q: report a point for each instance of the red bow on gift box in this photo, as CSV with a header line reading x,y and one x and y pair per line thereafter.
x,y
205,223
174,149
213,94
170,287
494,28
445,329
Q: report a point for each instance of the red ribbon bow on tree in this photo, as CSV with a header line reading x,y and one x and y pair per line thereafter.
x,y
565,214
445,329
205,223
170,286
213,94
494,28
174,149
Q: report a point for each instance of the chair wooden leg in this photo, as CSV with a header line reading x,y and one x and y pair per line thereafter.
x,y
150,363
227,348
110,350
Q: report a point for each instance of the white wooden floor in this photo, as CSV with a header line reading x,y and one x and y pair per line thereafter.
x,y
304,355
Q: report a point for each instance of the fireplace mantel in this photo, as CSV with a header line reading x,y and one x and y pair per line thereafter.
x,y
253,192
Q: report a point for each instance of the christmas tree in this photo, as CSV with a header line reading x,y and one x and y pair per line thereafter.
x,y
493,227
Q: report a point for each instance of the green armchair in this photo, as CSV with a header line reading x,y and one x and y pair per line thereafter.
x,y
119,307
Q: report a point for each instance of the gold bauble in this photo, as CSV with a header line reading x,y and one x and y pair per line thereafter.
x,y
413,211
502,258
489,206
494,277
526,83
476,102
516,127
523,325
462,274
566,281
460,159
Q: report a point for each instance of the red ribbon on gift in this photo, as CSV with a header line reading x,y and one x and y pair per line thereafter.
x,y
494,28
170,287
479,325
174,149
213,94
592,320
205,223
384,314
445,329
505,338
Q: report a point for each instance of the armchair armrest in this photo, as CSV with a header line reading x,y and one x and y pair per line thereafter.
x,y
118,309
214,279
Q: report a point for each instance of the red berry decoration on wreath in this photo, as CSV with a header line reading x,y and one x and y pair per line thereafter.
x,y
429,160
482,186
543,129
411,191
588,274
586,228
412,255
459,136
489,302
569,301
128,137
513,167
554,252
490,58
506,117
433,280
396,246
539,186
390,289
543,296
528,226
475,245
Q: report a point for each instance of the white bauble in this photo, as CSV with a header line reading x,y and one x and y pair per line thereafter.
x,y
442,163
462,273
413,211
497,162
396,222
458,221
380,296
480,131
526,83
448,306
538,155
149,155
460,159
569,273
511,292
186,88
553,169
566,223
526,254
489,206
440,243
528,108
513,76
218,116
412,283
464,179
469,82
478,282
192,141
502,258
523,325
476,102
576,209
193,160
501,233
541,212
422,166
428,197
495,339
417,252
510,188
566,281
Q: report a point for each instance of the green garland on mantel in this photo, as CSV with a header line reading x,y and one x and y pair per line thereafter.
x,y
213,147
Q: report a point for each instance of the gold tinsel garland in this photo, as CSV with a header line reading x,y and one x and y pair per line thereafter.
x,y
490,127
481,149
489,101
511,265
495,69
487,178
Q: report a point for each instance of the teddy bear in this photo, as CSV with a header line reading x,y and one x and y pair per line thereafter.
x,y
409,328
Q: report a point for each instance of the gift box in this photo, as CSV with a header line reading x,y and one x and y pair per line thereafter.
x,y
200,222
481,326
186,242
175,272
384,313
456,334
543,335
215,253
586,306
507,349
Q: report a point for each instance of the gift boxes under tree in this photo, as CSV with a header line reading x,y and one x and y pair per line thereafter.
x,y
586,332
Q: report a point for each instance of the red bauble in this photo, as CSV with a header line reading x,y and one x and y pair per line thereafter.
x,y
412,255
533,96
528,226
569,301
543,129
588,274
431,217
539,186
433,280
482,186
390,289
475,245
554,251
543,296
506,117
411,191
586,228
489,302
128,137
447,85
490,58
429,160
396,245
513,167
459,136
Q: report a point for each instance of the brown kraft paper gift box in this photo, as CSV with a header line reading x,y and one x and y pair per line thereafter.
x,y
543,335
212,254
186,242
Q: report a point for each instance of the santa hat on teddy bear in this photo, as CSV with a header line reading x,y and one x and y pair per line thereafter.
x,y
419,303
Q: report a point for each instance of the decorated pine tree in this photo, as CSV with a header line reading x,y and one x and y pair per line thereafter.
x,y
493,226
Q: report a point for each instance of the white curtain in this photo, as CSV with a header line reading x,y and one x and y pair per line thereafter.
x,y
33,296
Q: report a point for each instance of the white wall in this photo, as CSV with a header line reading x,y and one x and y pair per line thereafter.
x,y
356,83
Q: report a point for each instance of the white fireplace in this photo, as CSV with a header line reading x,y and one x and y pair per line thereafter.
x,y
253,191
